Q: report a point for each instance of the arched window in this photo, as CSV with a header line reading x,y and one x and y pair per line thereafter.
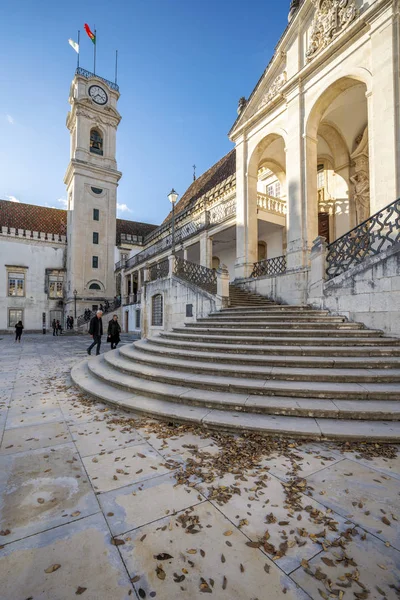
x,y
157,310
96,142
94,286
262,251
215,262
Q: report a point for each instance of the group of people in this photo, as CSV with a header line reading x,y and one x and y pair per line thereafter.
x,y
70,322
57,327
96,331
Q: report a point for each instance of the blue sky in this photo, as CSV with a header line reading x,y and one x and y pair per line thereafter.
x,y
183,65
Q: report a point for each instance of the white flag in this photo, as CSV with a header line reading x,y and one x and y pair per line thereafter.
x,y
74,45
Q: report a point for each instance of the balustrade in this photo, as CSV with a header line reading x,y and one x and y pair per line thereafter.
x,y
271,204
197,274
270,266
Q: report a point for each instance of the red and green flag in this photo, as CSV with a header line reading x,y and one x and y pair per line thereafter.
x,y
90,33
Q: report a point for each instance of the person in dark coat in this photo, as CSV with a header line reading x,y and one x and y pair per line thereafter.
x,y
96,331
18,331
114,329
55,328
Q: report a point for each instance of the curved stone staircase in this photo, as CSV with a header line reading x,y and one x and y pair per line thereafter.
x,y
260,366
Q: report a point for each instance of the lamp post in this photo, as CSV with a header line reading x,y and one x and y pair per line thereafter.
x,y
75,295
172,197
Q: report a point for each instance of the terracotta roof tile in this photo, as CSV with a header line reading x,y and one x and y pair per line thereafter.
x,y
54,220
133,228
203,184
32,217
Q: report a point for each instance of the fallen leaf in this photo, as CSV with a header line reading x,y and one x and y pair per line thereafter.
x,y
160,572
228,533
163,556
328,561
224,583
80,590
117,542
52,568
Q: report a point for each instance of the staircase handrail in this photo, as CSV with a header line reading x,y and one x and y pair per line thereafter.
x,y
379,232
196,274
107,308
269,266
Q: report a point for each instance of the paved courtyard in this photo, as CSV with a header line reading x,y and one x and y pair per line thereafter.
x,y
98,503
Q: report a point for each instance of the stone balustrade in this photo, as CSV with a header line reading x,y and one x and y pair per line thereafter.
x,y
271,204
27,234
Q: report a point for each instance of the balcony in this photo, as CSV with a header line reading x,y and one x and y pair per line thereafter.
x,y
132,299
270,204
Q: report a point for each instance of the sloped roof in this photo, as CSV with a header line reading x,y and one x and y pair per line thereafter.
x,y
216,174
133,228
32,217
54,220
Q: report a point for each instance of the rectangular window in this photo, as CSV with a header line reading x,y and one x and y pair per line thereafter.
x,y
16,284
96,214
55,289
189,310
95,237
95,262
157,310
320,176
277,190
137,319
14,315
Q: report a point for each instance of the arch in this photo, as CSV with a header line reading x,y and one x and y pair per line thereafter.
x,y
330,94
91,285
96,142
157,310
256,155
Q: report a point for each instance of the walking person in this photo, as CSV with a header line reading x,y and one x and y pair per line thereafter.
x,y
18,331
54,326
96,331
59,327
68,323
114,329
71,322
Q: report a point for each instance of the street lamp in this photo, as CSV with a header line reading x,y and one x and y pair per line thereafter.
x,y
75,295
173,197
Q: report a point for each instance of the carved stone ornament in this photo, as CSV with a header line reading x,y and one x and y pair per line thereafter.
x,y
330,19
360,179
241,105
273,90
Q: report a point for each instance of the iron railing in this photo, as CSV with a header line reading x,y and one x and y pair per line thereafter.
x,y
379,232
89,75
159,270
107,307
270,266
200,276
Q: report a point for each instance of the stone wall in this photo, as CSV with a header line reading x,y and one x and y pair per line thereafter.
x,y
177,294
288,288
368,293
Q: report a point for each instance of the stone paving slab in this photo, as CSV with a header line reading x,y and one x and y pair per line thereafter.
x,y
16,418
42,489
378,568
164,536
96,436
86,558
363,495
31,437
310,459
124,466
136,505
265,509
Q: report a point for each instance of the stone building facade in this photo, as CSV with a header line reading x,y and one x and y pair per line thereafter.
x,y
316,155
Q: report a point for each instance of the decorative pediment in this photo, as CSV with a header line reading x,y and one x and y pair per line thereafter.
x,y
273,89
330,19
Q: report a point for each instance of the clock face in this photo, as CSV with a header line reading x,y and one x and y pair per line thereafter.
x,y
97,94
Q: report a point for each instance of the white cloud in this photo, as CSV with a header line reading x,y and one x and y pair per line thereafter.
x,y
123,208
10,119
11,198
63,202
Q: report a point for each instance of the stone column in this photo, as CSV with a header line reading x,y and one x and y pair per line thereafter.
x,y
317,272
295,187
185,254
310,208
246,213
171,260
383,119
222,287
205,250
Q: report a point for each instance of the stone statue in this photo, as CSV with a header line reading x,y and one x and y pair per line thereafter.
x,y
241,105
361,195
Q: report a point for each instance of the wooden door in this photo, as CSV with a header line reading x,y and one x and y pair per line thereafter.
x,y
323,225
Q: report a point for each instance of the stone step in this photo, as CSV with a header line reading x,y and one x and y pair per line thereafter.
x,y
233,348
271,318
265,324
273,308
265,331
235,420
317,361
264,338
285,372
264,387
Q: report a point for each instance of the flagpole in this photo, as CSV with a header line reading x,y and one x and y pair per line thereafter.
x,y
116,65
94,53
79,48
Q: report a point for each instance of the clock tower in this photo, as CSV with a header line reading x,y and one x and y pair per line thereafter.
x,y
92,180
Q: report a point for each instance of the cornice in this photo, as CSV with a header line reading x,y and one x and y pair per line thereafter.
x,y
78,167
